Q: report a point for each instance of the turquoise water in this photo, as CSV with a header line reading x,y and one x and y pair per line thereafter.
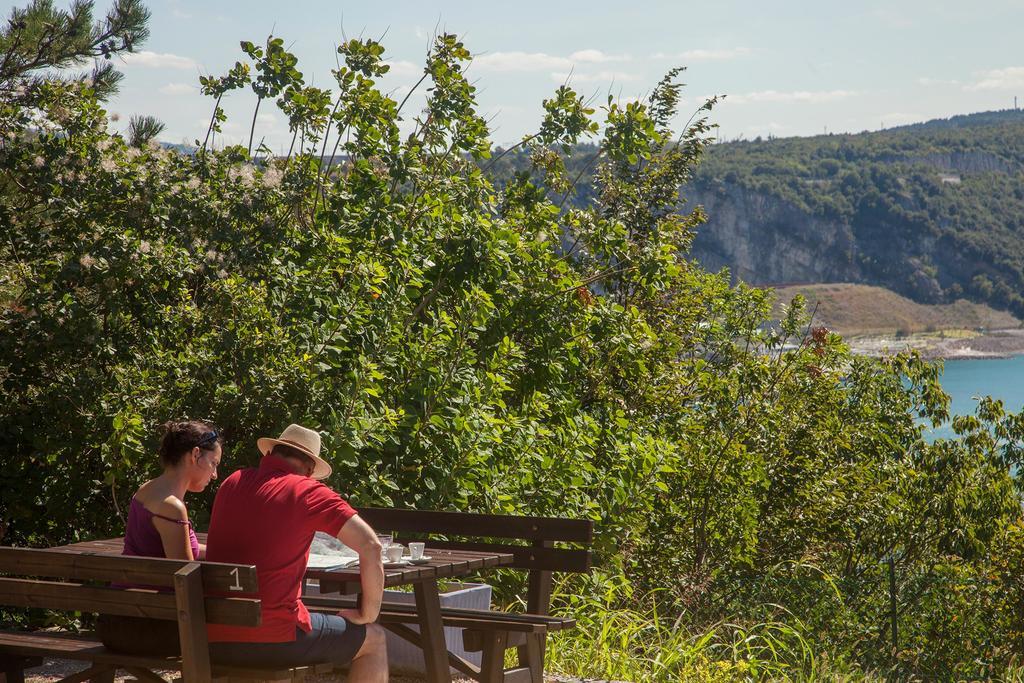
x,y
963,380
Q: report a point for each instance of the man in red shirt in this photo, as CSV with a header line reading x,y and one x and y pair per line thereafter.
x,y
267,516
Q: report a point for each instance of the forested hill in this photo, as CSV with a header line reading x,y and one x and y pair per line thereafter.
x,y
934,211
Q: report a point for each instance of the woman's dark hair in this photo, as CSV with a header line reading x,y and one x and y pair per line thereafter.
x,y
180,437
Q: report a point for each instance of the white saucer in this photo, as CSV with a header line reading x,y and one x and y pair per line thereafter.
x,y
396,565
422,560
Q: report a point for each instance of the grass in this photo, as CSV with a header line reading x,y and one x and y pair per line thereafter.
x,y
623,637
640,644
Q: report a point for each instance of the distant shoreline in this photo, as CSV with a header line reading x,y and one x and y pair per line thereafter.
x,y
945,344
876,321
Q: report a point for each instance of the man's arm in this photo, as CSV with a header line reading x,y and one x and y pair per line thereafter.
x,y
359,536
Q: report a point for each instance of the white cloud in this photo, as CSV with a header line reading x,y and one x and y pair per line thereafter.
x,y
266,118
1010,78
600,77
927,81
402,68
178,89
806,96
534,61
596,57
520,61
157,60
705,55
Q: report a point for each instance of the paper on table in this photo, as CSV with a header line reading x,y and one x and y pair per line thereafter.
x,y
327,552
317,561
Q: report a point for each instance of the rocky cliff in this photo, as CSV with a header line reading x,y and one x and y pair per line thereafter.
x,y
767,240
934,212
763,239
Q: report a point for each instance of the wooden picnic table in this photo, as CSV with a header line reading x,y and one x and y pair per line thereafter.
x,y
423,578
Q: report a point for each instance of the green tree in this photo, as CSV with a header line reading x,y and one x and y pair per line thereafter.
x,y
42,37
143,130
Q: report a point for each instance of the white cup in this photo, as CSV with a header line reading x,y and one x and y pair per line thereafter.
x,y
395,552
416,549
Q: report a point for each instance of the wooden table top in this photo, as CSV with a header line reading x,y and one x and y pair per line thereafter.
x,y
442,564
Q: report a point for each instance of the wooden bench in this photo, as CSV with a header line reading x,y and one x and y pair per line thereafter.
x,y
490,632
79,582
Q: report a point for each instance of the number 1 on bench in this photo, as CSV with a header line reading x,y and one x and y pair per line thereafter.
x,y
238,584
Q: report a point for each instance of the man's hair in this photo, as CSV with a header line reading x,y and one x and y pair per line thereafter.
x,y
283,451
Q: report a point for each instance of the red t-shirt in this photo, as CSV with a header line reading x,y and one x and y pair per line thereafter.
x,y
267,517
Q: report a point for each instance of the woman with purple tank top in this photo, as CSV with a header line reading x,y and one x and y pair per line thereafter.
x,y
158,526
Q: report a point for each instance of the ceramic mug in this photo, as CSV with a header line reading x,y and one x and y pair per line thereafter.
x,y
395,552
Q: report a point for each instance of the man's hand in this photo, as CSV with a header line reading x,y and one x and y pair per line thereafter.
x,y
353,616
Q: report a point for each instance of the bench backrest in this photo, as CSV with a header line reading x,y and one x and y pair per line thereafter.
x,y
200,596
535,551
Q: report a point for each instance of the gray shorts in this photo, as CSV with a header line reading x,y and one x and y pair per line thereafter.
x,y
331,640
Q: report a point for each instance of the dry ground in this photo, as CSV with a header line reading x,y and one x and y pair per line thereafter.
x,y
875,321
854,310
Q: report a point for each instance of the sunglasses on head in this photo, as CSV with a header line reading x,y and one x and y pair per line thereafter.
x,y
208,438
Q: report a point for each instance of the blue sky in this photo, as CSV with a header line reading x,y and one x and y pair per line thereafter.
x,y
787,67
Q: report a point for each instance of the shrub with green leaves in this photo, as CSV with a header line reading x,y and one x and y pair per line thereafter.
x,y
468,346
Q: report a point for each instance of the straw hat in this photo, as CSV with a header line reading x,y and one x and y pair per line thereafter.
x,y
302,439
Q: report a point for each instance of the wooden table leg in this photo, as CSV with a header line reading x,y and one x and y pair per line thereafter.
x,y
531,656
14,667
435,651
492,665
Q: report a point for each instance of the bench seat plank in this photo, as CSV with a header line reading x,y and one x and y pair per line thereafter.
x,y
475,524
117,568
398,609
125,602
86,647
470,619
77,646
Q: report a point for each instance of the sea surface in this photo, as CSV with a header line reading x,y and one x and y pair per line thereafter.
x,y
965,380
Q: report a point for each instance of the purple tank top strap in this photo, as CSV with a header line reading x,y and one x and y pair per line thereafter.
x,y
169,519
142,539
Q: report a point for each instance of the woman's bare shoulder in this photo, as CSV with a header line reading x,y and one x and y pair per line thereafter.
x,y
172,507
160,502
